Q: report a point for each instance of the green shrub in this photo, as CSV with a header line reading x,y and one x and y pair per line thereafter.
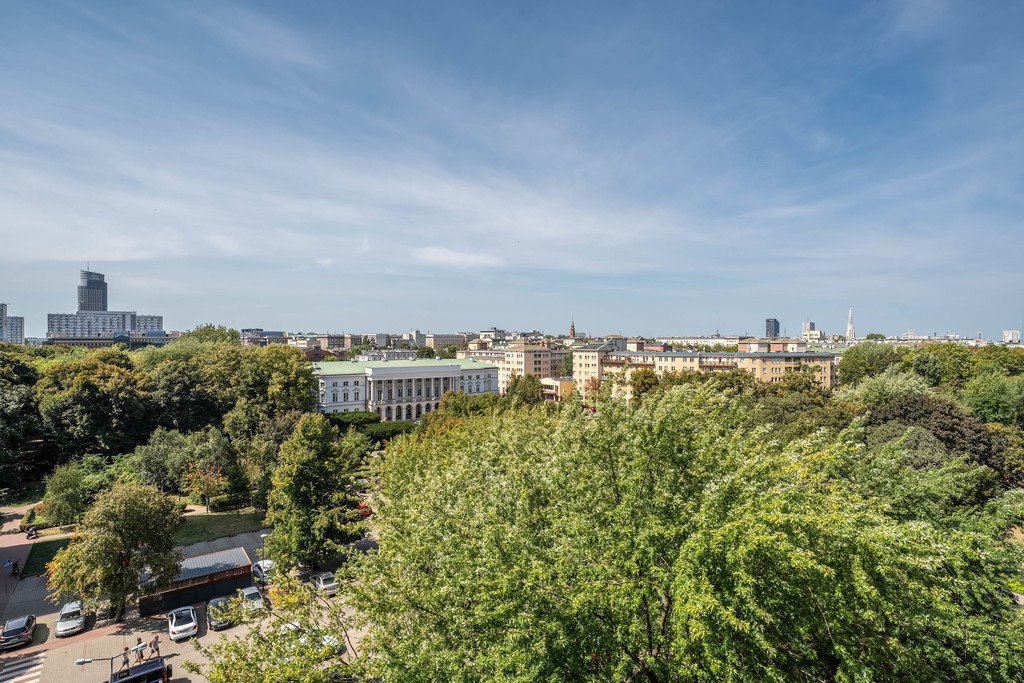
x,y
383,432
228,502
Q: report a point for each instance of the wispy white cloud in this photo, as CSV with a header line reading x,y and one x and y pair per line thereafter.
x,y
451,258
256,35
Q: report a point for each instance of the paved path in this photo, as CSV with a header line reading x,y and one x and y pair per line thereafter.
x,y
13,546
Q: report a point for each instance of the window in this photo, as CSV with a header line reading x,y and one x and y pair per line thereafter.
x,y
355,396
334,397
344,397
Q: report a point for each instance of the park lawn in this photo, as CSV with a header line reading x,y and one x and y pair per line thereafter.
x,y
208,526
41,553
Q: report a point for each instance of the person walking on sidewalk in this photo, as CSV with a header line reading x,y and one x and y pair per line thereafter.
x,y
125,661
154,646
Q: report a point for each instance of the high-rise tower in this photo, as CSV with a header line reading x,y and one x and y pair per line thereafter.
x,y
92,291
572,329
851,335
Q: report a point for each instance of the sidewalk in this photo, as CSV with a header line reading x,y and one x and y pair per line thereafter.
x,y
14,547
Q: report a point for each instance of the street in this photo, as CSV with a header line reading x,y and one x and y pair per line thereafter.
x,y
51,660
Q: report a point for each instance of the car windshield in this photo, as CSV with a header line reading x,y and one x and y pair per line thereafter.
x,y
71,615
254,596
11,630
182,618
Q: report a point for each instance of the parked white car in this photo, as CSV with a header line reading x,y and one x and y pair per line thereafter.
x,y
252,598
326,583
70,620
261,571
182,623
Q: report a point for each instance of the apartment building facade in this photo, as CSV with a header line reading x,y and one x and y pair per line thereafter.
x,y
592,367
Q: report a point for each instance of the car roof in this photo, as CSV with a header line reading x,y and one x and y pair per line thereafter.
x,y
71,606
18,622
182,610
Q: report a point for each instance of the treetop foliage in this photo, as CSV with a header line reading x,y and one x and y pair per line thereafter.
x,y
674,539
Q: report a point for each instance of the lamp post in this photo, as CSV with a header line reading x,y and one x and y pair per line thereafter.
x,y
82,661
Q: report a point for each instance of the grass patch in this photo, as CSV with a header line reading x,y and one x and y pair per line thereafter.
x,y
41,553
206,527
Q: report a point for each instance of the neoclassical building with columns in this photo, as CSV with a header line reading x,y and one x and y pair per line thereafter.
x,y
399,389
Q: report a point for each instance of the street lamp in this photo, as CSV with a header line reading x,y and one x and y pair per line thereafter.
x,y
82,661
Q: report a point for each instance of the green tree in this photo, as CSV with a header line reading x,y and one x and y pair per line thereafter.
x,y
866,360
425,352
994,397
185,400
211,334
160,462
205,481
309,641
955,363
99,404
525,390
875,336
662,542
127,533
66,494
306,504
880,389
641,381
567,365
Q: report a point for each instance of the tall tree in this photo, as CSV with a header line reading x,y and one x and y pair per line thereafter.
x,y
66,494
211,334
306,505
994,397
525,390
867,360
99,404
127,533
665,543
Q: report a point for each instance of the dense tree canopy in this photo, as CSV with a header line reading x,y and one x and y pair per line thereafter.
x,y
127,534
674,540
308,504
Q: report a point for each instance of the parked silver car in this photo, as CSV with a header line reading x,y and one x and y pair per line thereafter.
x,y
70,620
326,583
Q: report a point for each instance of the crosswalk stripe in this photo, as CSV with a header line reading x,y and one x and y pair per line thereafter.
x,y
25,676
24,671
32,661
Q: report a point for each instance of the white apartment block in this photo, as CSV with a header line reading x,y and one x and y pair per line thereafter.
x,y
399,390
100,323
1011,336
12,327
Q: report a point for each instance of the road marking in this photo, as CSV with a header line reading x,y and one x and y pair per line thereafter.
x,y
27,670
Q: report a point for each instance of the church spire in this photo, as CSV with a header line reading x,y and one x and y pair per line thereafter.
x,y
572,328
851,335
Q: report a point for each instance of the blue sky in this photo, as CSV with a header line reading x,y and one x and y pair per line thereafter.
x,y
644,168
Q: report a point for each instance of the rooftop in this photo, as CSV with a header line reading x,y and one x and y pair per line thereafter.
x,y
352,367
212,563
712,354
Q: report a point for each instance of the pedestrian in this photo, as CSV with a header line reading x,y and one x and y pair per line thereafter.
x,y
139,649
125,663
154,646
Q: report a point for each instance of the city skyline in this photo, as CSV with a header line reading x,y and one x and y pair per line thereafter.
x,y
781,326
656,170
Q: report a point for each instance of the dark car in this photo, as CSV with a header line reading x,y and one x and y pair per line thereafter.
x,y
217,614
150,671
18,632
